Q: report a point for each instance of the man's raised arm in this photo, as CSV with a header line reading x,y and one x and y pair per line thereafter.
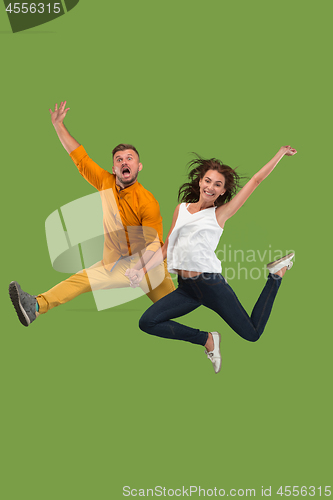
x,y
57,117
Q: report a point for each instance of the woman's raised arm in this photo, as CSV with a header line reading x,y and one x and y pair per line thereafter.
x,y
224,212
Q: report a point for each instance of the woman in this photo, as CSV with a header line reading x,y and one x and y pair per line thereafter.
x,y
197,225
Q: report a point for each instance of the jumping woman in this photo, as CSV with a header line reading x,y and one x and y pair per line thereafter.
x,y
209,199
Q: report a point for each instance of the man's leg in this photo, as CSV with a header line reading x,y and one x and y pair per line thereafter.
x,y
159,282
96,277
64,291
28,307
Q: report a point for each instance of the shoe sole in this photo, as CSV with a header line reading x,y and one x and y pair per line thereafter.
x,y
275,262
15,298
219,351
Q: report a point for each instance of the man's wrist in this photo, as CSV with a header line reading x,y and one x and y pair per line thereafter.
x,y
58,126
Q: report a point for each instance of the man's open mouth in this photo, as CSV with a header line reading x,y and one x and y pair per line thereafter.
x,y
126,172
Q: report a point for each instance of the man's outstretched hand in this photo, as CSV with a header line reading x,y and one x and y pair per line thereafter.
x,y
58,115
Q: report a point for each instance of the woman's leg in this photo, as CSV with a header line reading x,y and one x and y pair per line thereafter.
x,y
264,304
219,296
156,320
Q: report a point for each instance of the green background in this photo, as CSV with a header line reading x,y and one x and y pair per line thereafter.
x,y
89,402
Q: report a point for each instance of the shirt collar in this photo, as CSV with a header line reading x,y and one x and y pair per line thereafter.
x,y
128,189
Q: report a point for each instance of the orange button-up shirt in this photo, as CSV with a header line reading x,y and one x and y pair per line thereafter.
x,y
131,216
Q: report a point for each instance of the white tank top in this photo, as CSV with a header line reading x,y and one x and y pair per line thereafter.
x,y
193,241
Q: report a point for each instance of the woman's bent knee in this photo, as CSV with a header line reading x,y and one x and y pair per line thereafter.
x,y
145,323
249,335
254,337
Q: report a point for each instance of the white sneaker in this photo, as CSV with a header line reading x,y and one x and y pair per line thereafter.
x,y
215,355
275,266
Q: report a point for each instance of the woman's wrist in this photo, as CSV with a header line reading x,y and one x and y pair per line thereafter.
x,y
283,150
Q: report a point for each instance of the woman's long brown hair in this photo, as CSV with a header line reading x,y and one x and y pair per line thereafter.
x,y
190,191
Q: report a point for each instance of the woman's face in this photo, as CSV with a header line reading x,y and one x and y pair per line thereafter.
x,y
211,186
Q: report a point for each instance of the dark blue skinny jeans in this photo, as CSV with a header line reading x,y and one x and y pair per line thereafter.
x,y
210,290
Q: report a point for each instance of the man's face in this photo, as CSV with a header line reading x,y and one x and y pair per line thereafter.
x,y
126,166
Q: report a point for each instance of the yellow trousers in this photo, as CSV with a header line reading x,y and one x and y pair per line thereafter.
x,y
156,284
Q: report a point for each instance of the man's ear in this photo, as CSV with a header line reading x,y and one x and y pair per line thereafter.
x,y
140,167
113,169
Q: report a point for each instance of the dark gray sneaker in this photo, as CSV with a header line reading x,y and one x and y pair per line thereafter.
x,y
25,304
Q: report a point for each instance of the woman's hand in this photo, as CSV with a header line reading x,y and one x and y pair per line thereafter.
x,y
135,276
288,150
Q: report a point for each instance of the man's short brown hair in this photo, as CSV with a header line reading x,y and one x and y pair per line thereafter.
x,y
123,147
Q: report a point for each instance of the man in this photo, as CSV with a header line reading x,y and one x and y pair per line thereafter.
x,y
132,230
